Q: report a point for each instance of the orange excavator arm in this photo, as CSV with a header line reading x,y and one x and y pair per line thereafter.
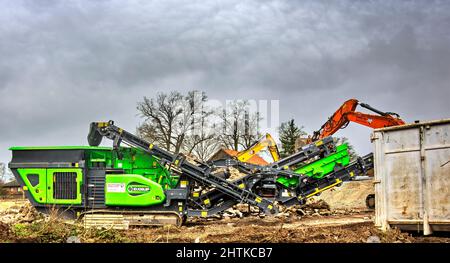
x,y
346,113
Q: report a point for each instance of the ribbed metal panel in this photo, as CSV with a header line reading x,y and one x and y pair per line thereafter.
x,y
412,173
65,185
96,188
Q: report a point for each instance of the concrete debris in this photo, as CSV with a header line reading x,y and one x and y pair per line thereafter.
x,y
351,195
283,215
373,239
73,239
231,213
230,173
312,208
21,214
234,174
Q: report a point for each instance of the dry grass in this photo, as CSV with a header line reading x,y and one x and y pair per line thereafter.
x,y
51,229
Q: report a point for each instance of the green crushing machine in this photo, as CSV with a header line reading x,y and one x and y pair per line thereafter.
x,y
135,182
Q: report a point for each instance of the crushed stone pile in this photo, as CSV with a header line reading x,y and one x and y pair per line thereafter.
x,y
351,195
313,208
234,174
20,214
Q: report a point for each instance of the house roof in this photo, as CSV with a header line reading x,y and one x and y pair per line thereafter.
x,y
12,184
255,159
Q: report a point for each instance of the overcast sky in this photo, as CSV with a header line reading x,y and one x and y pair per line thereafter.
x,y
64,64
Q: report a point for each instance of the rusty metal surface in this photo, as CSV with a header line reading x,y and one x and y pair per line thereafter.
x,y
412,166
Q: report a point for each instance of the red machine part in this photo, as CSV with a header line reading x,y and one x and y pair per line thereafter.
x,y
346,113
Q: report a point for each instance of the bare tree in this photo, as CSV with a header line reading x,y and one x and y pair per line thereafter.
x,y
190,130
199,134
251,129
185,124
160,116
5,174
174,121
204,144
2,178
2,173
239,127
228,133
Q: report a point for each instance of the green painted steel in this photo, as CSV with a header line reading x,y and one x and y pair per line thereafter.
x,y
33,148
132,190
134,163
38,192
131,160
321,167
52,181
43,191
324,166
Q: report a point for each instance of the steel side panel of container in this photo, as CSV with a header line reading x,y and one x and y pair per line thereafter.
x,y
412,176
437,170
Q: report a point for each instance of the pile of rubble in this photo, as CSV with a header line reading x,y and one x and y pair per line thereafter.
x,y
230,173
312,208
234,174
317,208
351,195
20,214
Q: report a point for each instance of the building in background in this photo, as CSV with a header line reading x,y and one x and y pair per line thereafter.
x,y
11,189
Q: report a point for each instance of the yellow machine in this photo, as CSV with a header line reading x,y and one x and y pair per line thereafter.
x,y
265,141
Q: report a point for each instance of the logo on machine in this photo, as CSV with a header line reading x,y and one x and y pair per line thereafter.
x,y
138,189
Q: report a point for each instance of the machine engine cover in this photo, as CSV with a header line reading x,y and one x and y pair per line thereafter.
x,y
132,190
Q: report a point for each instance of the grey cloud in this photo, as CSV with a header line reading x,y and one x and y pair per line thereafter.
x,y
66,63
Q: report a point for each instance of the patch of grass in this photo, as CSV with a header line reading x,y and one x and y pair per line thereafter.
x,y
54,230
103,236
21,230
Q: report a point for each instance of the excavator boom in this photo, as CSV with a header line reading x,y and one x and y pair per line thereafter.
x,y
346,113
264,142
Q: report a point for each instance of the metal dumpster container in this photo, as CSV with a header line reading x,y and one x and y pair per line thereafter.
x,y
412,176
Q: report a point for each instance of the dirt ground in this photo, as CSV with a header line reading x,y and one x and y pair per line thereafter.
x,y
354,228
7,203
344,226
